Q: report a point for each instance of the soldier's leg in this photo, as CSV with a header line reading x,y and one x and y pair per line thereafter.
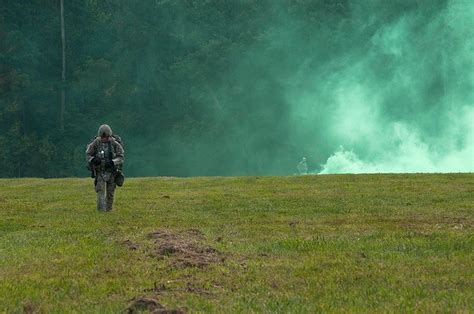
x,y
110,192
100,189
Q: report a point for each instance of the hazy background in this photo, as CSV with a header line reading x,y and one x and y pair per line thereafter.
x,y
243,87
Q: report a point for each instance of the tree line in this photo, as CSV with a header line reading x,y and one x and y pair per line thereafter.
x,y
193,87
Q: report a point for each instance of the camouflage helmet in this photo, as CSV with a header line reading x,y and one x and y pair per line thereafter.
x,y
104,131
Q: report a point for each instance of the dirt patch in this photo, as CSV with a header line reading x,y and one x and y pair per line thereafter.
x,y
186,248
190,287
131,245
293,224
29,308
157,288
151,305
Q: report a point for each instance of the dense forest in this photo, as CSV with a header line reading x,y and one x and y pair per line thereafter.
x,y
238,87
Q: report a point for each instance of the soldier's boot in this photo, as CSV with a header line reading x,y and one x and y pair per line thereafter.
x,y
110,195
101,195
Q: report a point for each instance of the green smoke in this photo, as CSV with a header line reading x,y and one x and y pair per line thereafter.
x,y
354,86
418,116
245,87
390,90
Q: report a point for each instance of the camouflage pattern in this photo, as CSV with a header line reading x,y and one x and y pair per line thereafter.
x,y
105,177
105,188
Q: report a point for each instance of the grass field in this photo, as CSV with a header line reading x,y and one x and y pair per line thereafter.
x,y
301,244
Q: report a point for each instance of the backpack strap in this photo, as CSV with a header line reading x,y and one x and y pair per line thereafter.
x,y
117,139
96,142
94,145
111,156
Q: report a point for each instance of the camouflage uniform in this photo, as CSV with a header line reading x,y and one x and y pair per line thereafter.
x,y
107,153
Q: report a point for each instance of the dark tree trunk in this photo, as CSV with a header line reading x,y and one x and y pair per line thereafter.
x,y
63,72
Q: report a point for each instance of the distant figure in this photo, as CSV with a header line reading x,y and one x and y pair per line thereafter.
x,y
302,166
105,157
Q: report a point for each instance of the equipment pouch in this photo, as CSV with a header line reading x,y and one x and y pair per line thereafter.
x,y
119,178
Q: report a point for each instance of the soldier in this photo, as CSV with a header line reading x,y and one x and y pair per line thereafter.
x,y
105,155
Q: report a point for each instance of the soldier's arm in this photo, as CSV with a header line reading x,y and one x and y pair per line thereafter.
x,y
119,155
90,151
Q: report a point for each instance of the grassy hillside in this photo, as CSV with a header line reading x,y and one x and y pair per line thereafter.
x,y
264,244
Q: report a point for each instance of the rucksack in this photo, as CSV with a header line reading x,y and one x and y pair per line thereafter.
x,y
118,139
119,177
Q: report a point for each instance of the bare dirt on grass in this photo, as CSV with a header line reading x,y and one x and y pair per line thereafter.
x,y
130,245
184,249
151,305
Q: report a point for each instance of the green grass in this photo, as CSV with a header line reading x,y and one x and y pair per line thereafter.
x,y
358,243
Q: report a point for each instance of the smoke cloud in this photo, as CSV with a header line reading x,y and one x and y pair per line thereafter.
x,y
399,99
244,87
355,86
